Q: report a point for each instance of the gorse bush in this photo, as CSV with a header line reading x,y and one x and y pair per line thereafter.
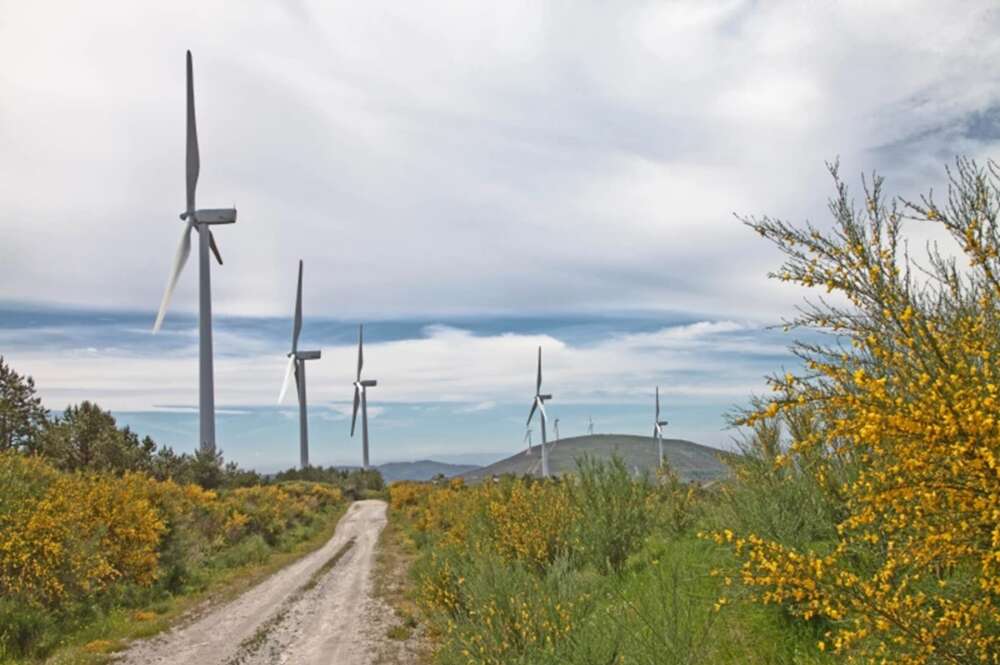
x,y
66,536
614,516
73,542
909,401
861,521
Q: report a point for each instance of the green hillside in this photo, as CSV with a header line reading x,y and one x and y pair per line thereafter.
x,y
690,460
421,470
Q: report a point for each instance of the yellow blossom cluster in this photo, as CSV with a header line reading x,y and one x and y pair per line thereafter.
x,y
910,399
65,536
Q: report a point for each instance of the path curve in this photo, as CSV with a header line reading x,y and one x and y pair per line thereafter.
x,y
317,611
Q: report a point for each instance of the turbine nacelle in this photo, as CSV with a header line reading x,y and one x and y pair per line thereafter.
x,y
307,355
210,216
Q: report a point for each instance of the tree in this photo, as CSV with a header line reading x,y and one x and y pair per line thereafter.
x,y
87,437
22,416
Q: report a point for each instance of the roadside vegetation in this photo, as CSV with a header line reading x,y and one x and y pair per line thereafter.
x,y
861,524
105,536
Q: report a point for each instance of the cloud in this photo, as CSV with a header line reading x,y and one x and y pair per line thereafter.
x,y
442,159
478,407
445,365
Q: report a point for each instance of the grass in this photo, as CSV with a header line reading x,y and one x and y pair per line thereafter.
x,y
406,639
630,586
95,643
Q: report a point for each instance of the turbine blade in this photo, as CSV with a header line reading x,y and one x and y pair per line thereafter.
x,y
288,376
297,326
534,405
357,402
361,353
657,402
193,160
298,384
215,248
179,260
538,384
541,408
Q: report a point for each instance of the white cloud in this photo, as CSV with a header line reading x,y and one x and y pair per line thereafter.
x,y
707,359
456,158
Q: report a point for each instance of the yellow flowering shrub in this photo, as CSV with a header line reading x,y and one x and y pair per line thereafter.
x,y
66,535
531,521
913,574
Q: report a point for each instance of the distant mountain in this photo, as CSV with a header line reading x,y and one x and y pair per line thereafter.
x,y
691,461
421,470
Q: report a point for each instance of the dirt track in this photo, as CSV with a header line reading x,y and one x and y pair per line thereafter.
x,y
317,611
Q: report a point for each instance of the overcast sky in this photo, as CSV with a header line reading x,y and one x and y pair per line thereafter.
x,y
432,161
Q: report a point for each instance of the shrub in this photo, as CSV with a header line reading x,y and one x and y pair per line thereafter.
x,y
913,570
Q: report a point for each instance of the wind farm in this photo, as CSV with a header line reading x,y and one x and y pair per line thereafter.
x,y
556,202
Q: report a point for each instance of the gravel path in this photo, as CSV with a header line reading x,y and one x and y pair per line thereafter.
x,y
316,611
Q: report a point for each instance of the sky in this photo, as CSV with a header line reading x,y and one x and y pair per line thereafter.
x,y
470,180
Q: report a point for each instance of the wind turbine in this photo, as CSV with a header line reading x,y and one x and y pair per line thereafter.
x,y
527,439
590,425
297,364
199,220
658,426
539,404
556,424
361,397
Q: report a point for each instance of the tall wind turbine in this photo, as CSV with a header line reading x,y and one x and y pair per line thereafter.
x,y
590,425
658,426
556,424
361,397
199,220
539,404
527,440
297,364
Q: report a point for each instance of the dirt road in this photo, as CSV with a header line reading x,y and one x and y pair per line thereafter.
x,y
317,611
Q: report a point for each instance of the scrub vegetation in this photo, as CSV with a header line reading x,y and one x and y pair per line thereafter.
x,y
104,536
861,524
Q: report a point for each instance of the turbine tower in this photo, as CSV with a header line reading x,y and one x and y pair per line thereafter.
x,y
199,220
590,425
658,426
539,404
527,440
297,364
556,425
361,397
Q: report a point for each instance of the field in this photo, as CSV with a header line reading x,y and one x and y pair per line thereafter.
x,y
861,524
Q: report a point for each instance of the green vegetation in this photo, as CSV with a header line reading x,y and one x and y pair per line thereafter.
x,y
859,525
691,461
597,568
104,536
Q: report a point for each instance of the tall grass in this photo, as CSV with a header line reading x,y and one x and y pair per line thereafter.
x,y
629,580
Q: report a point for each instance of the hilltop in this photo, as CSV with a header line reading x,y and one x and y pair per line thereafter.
x,y
421,470
691,461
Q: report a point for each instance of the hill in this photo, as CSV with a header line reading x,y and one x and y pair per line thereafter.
x,y
691,461
421,470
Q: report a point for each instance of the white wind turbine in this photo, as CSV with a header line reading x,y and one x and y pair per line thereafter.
x,y
199,220
658,426
555,424
297,365
361,397
590,425
539,404
527,440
